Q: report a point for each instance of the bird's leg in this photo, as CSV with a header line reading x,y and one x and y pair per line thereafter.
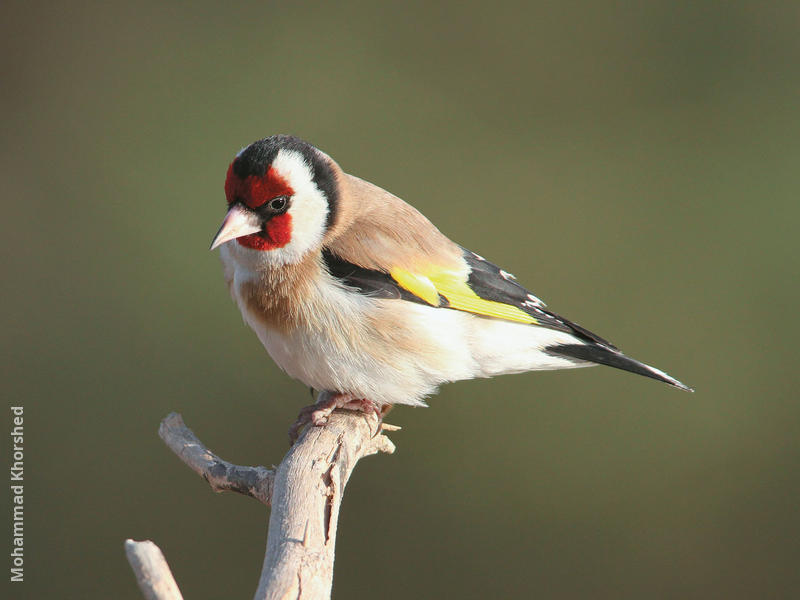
x,y
317,414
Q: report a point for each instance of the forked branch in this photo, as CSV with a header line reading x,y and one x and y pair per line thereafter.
x,y
305,492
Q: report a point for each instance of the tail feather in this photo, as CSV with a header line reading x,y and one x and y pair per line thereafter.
x,y
613,358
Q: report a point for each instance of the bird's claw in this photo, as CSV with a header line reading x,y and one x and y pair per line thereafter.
x,y
380,413
318,414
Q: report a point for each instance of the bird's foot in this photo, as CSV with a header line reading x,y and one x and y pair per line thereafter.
x,y
318,414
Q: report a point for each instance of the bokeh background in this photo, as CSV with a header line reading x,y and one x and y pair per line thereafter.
x,y
635,166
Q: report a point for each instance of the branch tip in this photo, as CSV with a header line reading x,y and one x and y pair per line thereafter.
x,y
221,475
152,571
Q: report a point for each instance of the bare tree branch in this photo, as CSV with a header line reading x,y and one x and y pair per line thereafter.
x,y
151,570
305,491
309,484
221,475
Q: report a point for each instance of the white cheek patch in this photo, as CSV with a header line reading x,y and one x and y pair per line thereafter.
x,y
309,209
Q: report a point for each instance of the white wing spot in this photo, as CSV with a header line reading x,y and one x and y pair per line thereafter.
x,y
479,257
535,301
533,306
506,275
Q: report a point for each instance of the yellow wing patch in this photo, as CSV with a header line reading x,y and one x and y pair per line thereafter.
x,y
419,285
459,295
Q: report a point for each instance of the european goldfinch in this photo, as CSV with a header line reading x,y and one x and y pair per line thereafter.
x,y
356,294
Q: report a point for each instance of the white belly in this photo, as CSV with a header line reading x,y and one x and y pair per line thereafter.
x,y
355,358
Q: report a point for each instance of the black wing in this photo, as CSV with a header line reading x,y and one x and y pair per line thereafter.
x,y
486,279
493,283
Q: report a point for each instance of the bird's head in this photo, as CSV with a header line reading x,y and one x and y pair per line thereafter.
x,y
281,194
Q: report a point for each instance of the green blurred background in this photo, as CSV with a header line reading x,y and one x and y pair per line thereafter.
x,y
636,166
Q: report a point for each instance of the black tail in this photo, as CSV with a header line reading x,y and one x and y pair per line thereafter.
x,y
613,358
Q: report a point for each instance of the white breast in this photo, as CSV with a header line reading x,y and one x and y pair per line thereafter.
x,y
390,351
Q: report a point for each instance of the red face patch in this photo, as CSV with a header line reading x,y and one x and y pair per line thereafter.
x,y
254,191
277,233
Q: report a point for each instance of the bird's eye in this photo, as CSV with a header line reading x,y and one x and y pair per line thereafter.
x,y
278,204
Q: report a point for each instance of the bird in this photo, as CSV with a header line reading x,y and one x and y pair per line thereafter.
x,y
355,293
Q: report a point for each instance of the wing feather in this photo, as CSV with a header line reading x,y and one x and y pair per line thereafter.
x,y
480,288
385,248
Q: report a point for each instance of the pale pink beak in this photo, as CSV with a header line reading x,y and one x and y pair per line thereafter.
x,y
238,222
